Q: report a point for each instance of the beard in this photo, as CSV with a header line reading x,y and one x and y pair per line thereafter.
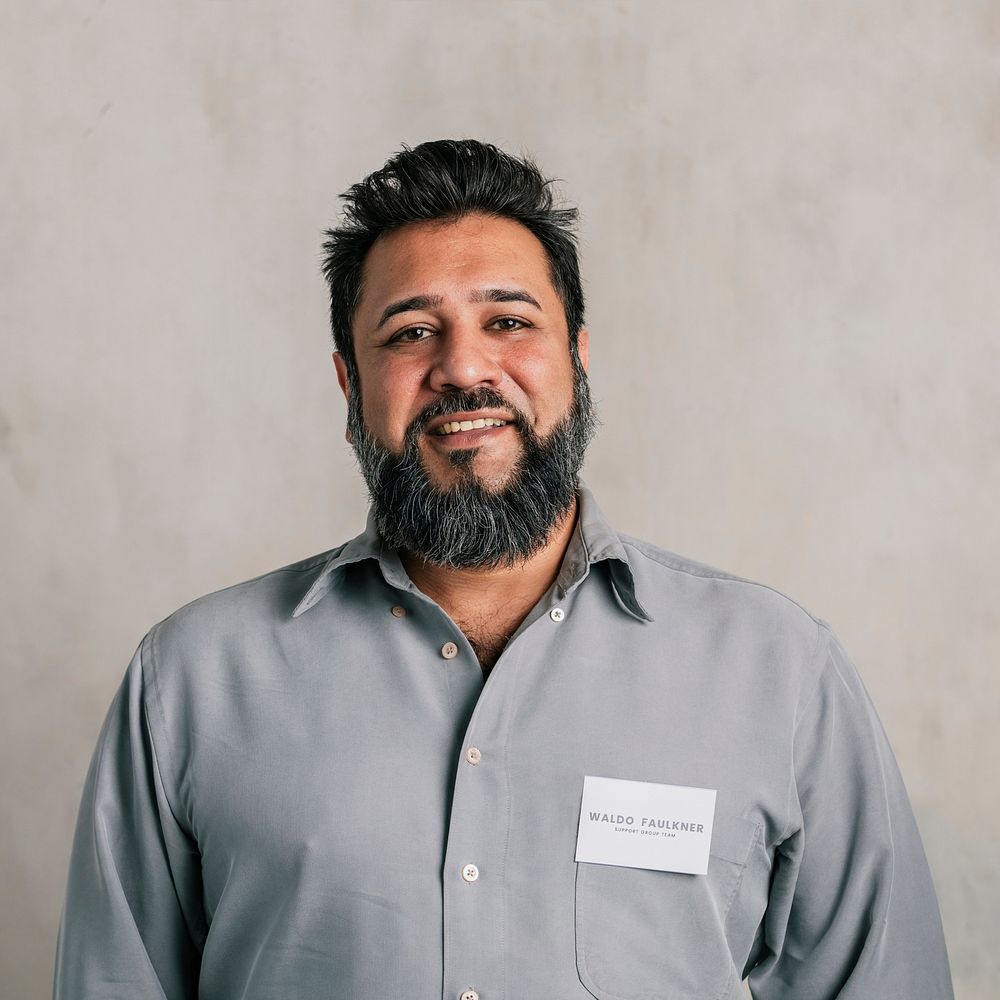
x,y
468,524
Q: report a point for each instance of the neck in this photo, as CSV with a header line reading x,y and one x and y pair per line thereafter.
x,y
501,595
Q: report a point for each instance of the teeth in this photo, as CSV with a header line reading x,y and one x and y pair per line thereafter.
x,y
468,425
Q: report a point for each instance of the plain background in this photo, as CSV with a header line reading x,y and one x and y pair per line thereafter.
x,y
792,253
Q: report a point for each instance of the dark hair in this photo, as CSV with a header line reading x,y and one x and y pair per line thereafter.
x,y
446,179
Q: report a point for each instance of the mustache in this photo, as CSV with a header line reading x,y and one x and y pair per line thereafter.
x,y
462,401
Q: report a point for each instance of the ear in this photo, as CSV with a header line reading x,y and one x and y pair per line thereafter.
x,y
341,366
583,347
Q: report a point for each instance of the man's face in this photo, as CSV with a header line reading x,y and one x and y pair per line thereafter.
x,y
472,415
446,333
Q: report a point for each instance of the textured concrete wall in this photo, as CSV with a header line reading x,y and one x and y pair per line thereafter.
x,y
791,243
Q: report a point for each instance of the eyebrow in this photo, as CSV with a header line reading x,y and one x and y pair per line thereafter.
x,y
415,302
406,305
504,295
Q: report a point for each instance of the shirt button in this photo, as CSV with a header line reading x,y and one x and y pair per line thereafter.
x,y
470,873
469,995
557,614
449,651
398,612
473,755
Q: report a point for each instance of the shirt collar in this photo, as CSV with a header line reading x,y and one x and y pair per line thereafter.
x,y
367,545
593,541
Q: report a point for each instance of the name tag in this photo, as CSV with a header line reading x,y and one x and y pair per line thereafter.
x,y
639,824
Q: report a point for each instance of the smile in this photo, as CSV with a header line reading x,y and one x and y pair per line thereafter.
x,y
469,425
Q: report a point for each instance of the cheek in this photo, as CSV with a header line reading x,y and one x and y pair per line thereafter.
x,y
390,401
546,381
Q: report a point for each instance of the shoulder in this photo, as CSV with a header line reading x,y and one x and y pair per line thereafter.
x,y
729,609
238,615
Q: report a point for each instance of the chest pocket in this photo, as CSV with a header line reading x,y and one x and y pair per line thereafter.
x,y
650,935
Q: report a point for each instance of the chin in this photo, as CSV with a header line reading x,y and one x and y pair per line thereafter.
x,y
462,470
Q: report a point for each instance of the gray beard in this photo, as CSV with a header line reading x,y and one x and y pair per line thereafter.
x,y
468,525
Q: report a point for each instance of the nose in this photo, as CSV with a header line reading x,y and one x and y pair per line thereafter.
x,y
466,357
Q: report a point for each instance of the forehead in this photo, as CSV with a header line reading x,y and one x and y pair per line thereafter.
x,y
426,257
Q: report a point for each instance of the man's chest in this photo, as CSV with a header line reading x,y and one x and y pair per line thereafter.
x,y
370,782
369,767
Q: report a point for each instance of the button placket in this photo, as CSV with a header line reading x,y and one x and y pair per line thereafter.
x,y
473,891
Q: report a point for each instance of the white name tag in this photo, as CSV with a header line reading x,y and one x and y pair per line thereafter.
x,y
638,824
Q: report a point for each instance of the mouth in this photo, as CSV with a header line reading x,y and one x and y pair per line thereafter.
x,y
461,424
457,426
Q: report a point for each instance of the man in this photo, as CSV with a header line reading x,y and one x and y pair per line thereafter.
x,y
489,748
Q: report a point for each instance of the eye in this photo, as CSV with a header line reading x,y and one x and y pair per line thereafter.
x,y
508,324
411,335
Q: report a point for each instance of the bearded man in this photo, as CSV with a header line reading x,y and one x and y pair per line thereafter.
x,y
490,747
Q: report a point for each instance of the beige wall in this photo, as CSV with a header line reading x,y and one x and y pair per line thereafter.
x,y
791,243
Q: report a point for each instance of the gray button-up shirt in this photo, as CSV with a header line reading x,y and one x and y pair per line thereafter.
x,y
304,789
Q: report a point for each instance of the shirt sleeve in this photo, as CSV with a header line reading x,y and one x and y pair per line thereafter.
x,y
133,923
852,912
